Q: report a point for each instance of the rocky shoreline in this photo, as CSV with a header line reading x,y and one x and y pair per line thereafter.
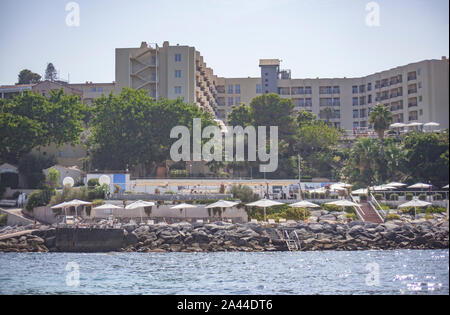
x,y
226,237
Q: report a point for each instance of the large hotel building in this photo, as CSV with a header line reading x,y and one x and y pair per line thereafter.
x,y
417,92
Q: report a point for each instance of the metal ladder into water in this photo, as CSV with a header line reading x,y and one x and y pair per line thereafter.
x,y
292,244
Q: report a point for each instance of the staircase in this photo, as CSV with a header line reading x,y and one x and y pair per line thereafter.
x,y
369,214
292,244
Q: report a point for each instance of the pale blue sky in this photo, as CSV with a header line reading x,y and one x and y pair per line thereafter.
x,y
314,38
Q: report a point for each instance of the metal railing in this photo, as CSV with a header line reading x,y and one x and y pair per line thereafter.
x,y
374,200
358,209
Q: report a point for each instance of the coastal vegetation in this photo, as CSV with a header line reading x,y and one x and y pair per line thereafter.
x,y
136,128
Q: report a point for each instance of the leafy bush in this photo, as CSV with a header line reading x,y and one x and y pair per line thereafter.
x,y
393,197
97,203
351,216
437,197
38,198
178,173
435,209
423,197
428,217
409,196
93,182
243,193
169,192
363,197
392,216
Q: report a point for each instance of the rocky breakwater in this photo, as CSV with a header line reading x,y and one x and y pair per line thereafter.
x,y
325,235
26,239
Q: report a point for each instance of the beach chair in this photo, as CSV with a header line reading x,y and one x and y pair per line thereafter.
x,y
150,222
271,221
282,221
199,221
254,221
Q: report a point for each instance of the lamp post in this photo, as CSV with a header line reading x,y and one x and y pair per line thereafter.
x,y
300,177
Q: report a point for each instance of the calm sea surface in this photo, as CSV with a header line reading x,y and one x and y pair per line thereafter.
x,y
365,272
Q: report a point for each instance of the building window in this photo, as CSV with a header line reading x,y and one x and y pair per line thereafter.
x,y
355,124
369,99
178,90
308,90
362,100
177,57
230,101
258,89
230,89
362,89
308,102
369,86
238,89
301,102
355,89
238,100
177,73
336,102
355,101
336,90
355,113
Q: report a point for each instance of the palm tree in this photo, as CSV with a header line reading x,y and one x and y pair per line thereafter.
x,y
327,114
381,119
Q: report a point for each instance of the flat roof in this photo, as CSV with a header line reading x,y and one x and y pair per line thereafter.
x,y
269,62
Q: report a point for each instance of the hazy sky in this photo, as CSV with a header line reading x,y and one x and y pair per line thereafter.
x,y
314,38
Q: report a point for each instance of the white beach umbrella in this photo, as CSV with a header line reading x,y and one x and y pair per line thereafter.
x,y
107,207
420,186
184,206
446,187
382,188
362,191
414,124
397,125
265,203
304,204
223,204
432,124
140,204
395,184
76,203
416,204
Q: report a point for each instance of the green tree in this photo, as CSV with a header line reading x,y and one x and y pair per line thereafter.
x,y
240,116
27,77
305,118
32,120
137,129
381,118
50,72
363,164
326,114
427,157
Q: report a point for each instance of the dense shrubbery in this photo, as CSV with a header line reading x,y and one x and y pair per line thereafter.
x,y
278,212
423,197
38,198
392,216
178,173
243,193
409,196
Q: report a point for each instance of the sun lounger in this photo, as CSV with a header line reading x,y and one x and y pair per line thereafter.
x,y
254,221
271,221
199,221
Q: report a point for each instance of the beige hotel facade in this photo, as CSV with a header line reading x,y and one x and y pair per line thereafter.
x,y
417,92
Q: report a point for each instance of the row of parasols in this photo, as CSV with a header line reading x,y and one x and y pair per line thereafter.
x,y
414,124
223,204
